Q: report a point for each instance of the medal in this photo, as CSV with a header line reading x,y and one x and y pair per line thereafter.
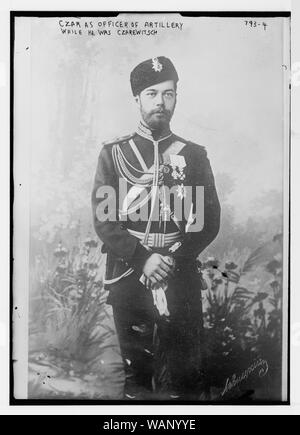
x,y
177,164
181,192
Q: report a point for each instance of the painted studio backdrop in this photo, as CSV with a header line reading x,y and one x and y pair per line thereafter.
x,y
72,88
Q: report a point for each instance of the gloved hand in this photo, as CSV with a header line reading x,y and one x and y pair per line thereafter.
x,y
157,269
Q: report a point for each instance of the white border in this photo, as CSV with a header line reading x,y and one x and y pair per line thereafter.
x,y
286,192
21,210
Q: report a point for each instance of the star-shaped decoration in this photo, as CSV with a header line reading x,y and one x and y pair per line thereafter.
x,y
181,192
156,65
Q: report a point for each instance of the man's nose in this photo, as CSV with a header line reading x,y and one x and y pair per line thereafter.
x,y
159,100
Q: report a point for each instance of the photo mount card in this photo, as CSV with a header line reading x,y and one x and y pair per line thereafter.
x,y
81,114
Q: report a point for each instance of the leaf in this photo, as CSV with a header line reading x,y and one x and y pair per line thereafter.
x,y
273,266
230,265
240,295
70,288
233,276
254,259
243,289
68,280
260,297
273,302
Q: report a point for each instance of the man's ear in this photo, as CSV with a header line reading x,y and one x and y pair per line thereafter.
x,y
138,100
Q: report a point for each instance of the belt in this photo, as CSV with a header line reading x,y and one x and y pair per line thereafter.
x,y
155,240
158,240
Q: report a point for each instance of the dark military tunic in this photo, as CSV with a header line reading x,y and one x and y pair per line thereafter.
x,y
146,337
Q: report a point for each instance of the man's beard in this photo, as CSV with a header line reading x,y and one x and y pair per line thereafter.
x,y
157,120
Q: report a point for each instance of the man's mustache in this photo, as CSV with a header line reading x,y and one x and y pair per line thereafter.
x,y
166,112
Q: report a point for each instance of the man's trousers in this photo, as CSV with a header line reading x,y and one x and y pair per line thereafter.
x,y
162,354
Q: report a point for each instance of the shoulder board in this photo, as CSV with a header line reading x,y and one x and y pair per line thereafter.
x,y
118,139
201,147
189,142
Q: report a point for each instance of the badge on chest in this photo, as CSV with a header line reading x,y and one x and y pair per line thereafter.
x,y
177,164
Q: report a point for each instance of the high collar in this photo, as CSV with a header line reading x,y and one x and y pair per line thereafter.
x,y
149,134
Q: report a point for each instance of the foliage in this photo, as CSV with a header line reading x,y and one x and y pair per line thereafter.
x,y
70,327
70,331
241,325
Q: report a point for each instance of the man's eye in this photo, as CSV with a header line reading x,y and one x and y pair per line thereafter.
x,y
151,94
169,94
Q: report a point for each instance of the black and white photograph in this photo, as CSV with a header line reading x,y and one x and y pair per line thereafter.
x,y
151,207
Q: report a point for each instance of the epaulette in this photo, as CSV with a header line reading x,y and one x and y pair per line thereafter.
x,y
189,142
118,139
197,145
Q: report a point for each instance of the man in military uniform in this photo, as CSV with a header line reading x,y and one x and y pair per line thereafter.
x,y
152,241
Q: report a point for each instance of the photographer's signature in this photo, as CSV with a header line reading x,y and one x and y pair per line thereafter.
x,y
260,364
